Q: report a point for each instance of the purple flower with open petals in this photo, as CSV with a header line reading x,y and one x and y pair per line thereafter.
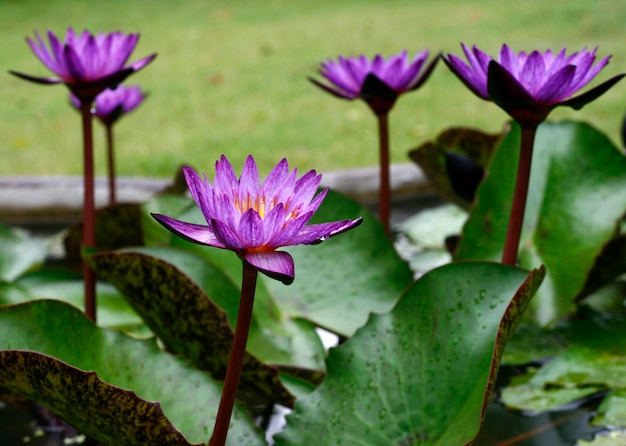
x,y
87,64
529,86
378,82
110,105
254,219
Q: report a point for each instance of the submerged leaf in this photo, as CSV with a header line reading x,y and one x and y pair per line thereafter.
x,y
454,162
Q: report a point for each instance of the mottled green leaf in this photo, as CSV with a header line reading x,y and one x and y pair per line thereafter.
x,y
19,253
421,374
181,314
49,349
576,200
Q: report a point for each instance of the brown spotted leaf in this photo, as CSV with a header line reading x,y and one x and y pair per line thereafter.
x,y
138,394
188,322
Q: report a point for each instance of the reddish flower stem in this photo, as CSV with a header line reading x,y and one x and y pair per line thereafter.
x,y
384,206
235,363
516,220
89,232
111,164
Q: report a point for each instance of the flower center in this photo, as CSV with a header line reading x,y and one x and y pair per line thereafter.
x,y
262,206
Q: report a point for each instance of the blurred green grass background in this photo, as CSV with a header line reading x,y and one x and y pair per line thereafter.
x,y
231,77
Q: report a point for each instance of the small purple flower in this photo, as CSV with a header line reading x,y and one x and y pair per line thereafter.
x,y
378,82
87,64
254,220
529,86
110,105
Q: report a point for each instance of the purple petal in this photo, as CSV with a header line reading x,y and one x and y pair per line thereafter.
x,y
314,234
533,72
289,231
504,89
275,264
473,77
136,66
36,79
341,94
225,182
74,66
250,229
227,236
557,87
200,192
579,102
189,231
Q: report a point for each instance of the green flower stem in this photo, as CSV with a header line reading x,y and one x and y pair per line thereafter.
x,y
111,164
514,231
235,363
384,205
89,227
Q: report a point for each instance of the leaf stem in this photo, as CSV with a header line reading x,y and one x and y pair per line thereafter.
x,y
516,220
89,232
235,363
384,205
111,163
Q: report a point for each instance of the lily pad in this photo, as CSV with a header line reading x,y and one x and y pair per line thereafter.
x,y
423,373
20,253
576,200
49,349
179,312
612,410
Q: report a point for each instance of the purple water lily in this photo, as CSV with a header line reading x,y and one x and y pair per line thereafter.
x,y
112,104
87,64
377,81
255,220
529,85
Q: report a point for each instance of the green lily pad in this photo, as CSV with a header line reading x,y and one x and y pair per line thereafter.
x,y
423,373
538,399
612,410
20,253
68,286
576,200
140,395
587,356
615,438
179,312
341,281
